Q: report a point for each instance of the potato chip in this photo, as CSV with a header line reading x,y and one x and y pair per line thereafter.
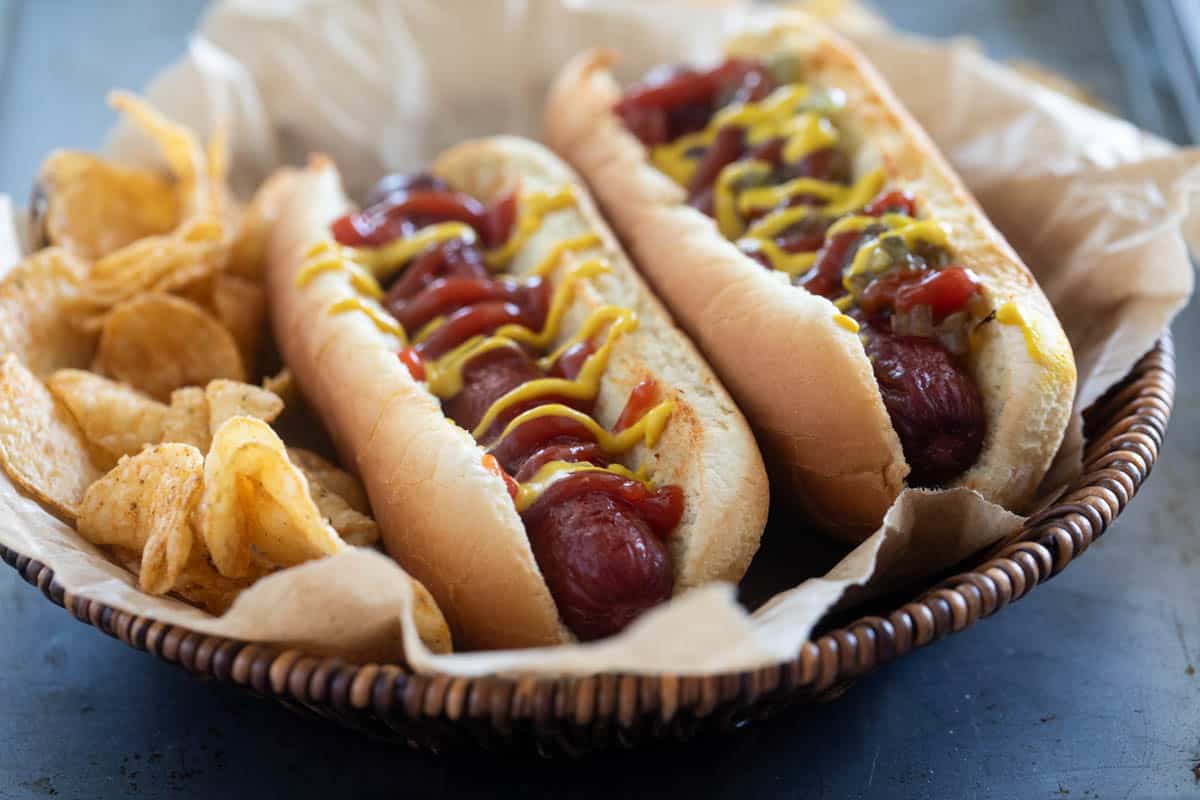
x,y
282,384
145,504
232,399
41,446
35,297
241,306
256,506
114,417
195,283
180,149
431,624
202,585
94,207
332,477
194,252
353,526
159,343
247,255
187,418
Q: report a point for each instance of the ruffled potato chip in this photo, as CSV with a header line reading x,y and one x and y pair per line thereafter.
x,y
180,149
228,399
241,306
282,384
182,262
145,504
332,477
353,526
35,298
431,624
187,418
159,343
196,283
256,507
94,207
41,446
201,585
118,419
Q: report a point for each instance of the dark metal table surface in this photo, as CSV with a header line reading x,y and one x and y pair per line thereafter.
x,y
1087,689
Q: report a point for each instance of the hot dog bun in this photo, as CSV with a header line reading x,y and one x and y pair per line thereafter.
x,y
444,517
806,383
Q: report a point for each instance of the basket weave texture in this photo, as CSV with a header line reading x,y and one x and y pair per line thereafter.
x,y
1124,431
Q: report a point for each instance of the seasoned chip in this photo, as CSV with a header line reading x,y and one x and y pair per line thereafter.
x,y
283,384
180,149
241,306
354,527
35,297
232,399
256,506
159,343
192,253
41,446
187,418
201,584
332,477
114,417
94,207
247,256
196,283
145,504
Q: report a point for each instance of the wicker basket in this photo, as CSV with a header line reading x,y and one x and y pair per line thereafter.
x,y
1124,431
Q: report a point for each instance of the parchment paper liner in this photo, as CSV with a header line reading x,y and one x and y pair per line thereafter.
x,y
1098,209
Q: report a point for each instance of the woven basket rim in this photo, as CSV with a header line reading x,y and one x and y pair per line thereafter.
x,y
1124,430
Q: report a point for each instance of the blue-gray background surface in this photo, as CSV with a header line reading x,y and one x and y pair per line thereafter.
x,y
1086,689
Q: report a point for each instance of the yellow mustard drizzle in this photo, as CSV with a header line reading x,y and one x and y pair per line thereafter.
x,y
584,387
548,264
1035,341
729,221
382,320
324,257
591,326
839,199
849,323
550,472
554,317
647,430
782,261
383,261
773,117
871,258
856,223
429,327
444,374
535,206
558,307
807,133
781,115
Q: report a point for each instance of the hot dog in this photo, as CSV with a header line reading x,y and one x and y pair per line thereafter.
x,y
539,443
873,325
